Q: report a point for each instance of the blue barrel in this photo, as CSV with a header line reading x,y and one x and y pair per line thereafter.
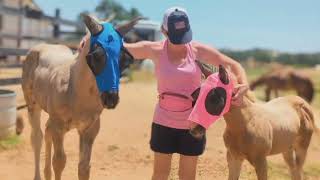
x,y
8,112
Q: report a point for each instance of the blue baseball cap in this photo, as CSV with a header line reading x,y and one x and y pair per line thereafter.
x,y
176,23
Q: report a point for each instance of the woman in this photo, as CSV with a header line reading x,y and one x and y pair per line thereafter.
x,y
178,76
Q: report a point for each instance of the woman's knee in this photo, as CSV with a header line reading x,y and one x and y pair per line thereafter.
x,y
161,171
188,167
162,166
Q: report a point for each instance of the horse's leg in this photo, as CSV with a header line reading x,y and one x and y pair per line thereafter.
x,y
268,93
59,156
87,138
289,159
48,142
34,112
301,153
234,165
276,93
260,165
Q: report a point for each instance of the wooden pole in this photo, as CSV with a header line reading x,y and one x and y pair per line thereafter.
x,y
56,24
19,35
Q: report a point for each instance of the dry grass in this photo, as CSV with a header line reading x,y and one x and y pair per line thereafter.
x,y
10,142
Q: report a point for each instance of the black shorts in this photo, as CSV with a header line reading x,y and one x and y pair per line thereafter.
x,y
170,140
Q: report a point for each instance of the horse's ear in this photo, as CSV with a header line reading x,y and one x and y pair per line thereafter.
x,y
223,75
93,25
125,28
84,46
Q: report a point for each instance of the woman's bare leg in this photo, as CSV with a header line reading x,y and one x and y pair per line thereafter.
x,y
162,166
188,167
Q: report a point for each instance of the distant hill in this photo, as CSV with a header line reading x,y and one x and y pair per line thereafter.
x,y
263,55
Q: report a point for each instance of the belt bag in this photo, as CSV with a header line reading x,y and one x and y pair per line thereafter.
x,y
175,102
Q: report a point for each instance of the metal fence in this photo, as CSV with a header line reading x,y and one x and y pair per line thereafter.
x,y
13,52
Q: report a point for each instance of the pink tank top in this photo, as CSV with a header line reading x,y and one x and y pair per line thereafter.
x,y
184,79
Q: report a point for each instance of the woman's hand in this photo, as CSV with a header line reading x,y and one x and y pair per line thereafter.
x,y
238,92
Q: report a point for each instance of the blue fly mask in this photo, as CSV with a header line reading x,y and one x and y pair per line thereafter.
x,y
106,45
110,44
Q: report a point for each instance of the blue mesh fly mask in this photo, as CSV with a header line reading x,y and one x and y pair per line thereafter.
x,y
109,43
106,45
103,58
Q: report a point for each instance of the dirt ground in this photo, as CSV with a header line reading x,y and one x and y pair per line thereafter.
x,y
121,150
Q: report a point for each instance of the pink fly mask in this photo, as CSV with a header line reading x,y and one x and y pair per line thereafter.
x,y
213,99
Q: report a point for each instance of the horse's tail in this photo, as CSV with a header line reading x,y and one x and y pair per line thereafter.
x,y
309,118
258,82
19,124
28,67
20,120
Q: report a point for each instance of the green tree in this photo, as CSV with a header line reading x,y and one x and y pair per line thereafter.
x,y
108,7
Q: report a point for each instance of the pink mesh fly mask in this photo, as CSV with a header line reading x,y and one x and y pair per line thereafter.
x,y
213,100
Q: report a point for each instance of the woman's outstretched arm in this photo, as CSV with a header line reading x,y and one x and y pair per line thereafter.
x,y
212,56
142,49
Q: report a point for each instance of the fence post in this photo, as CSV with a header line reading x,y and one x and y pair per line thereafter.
x,y
19,33
56,25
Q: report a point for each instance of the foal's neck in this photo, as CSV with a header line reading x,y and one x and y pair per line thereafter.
x,y
82,79
238,117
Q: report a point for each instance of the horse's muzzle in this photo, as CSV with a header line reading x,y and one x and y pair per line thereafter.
x,y
110,99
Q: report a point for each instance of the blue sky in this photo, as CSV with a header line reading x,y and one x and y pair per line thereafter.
x,y
286,25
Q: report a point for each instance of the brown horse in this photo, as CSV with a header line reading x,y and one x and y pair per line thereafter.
x,y
256,130
284,79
